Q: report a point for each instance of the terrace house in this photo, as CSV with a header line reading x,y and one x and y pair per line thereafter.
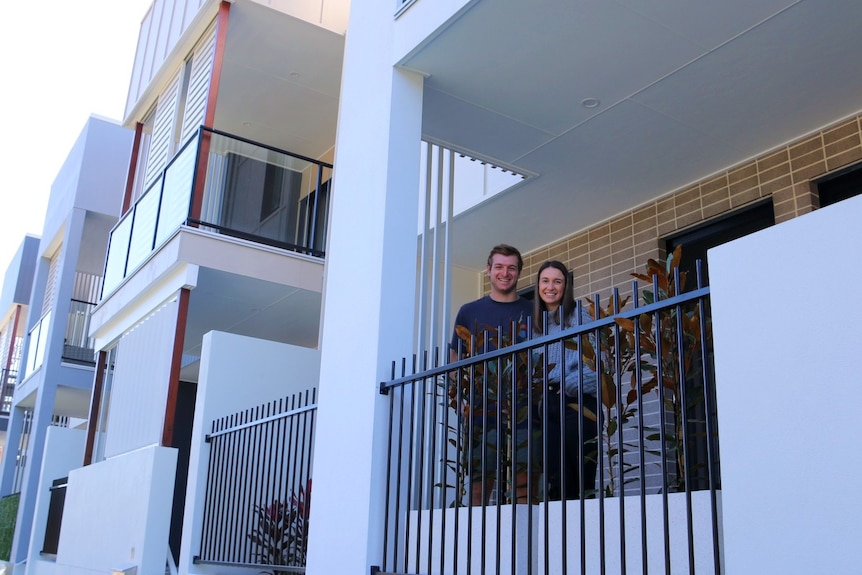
x,y
52,352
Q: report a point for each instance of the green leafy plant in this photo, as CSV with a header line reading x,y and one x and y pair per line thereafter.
x,y
648,348
8,516
484,390
673,340
281,531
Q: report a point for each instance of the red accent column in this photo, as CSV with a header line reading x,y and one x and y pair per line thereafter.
x,y
176,365
133,168
11,350
95,406
209,117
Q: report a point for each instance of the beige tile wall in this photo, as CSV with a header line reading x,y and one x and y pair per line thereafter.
x,y
605,255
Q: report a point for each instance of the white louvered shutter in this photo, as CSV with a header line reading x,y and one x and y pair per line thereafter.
x,y
51,284
199,84
161,141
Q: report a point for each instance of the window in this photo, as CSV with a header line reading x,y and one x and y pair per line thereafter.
x,y
840,186
695,242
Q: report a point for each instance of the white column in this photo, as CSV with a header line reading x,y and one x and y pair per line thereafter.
x,y
369,294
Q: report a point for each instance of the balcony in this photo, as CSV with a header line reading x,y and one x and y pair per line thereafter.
x,y
77,345
225,185
646,494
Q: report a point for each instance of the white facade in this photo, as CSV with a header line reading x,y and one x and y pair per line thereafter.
x,y
56,369
786,375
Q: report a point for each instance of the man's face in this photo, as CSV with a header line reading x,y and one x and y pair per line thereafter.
x,y
504,273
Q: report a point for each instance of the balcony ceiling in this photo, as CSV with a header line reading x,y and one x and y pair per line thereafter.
x,y
280,80
686,90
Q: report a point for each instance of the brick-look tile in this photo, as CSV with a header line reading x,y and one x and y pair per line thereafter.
x,y
784,211
783,195
623,267
599,264
694,193
742,173
603,251
805,147
772,161
581,261
851,142
558,252
809,172
769,188
623,253
649,235
599,232
745,197
841,132
845,158
621,223
773,173
645,224
742,186
579,242
685,220
812,158
716,208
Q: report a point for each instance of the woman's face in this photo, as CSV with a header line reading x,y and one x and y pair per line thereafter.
x,y
552,283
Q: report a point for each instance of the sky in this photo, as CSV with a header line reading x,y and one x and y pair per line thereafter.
x,y
60,61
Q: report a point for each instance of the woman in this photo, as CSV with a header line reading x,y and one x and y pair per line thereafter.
x,y
553,300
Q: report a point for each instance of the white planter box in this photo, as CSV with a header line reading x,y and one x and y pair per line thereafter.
x,y
434,532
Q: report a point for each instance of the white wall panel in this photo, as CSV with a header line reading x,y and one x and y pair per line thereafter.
x,y
137,405
787,383
161,31
117,513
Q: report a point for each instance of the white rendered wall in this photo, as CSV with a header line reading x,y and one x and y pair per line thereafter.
x,y
787,337
64,451
118,513
237,373
369,292
139,392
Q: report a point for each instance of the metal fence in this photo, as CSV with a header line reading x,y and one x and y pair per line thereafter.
x,y
259,486
652,506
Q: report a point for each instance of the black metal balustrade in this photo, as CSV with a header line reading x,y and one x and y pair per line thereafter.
x,y
8,377
226,185
654,508
77,343
258,489
55,516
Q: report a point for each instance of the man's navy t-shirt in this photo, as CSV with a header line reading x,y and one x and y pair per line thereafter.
x,y
485,314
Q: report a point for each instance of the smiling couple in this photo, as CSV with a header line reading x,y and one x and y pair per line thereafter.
x,y
562,427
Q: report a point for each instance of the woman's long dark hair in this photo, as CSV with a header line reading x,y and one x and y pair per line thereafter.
x,y
567,304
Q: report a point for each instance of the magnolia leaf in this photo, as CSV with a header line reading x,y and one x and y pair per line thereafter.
x,y
625,324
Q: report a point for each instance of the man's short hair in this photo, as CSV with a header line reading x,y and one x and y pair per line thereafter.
x,y
506,250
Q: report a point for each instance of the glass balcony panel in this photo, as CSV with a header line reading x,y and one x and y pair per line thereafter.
x,y
78,346
260,193
144,228
118,248
177,194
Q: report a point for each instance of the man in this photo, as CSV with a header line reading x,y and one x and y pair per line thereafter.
x,y
491,313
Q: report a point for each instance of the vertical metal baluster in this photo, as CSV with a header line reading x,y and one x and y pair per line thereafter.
x,y
386,514
618,369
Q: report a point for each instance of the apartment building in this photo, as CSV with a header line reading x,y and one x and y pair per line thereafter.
x,y
219,247
602,135
636,126
15,301
62,273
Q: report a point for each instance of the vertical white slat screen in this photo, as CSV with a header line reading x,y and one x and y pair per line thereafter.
x,y
199,85
140,385
161,141
51,283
